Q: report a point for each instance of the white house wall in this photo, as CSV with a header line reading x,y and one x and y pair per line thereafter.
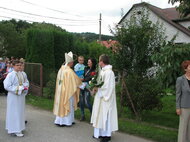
x,y
170,30
185,23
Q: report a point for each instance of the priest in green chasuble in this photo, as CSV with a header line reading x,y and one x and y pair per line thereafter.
x,y
66,93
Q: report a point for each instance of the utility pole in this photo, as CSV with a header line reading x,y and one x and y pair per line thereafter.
x,y
100,22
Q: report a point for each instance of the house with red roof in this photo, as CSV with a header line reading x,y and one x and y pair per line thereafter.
x,y
170,18
113,44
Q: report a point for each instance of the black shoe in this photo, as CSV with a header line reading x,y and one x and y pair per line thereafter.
x,y
105,139
73,123
108,138
60,125
82,118
26,121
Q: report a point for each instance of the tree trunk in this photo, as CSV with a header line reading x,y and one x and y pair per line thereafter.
x,y
121,96
124,87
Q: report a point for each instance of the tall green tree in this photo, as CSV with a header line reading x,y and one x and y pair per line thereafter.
x,y
184,6
139,39
168,61
13,37
96,49
12,43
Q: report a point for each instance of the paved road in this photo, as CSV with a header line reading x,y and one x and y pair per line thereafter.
x,y
40,128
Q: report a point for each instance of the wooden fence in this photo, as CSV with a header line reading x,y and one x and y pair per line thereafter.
x,y
34,72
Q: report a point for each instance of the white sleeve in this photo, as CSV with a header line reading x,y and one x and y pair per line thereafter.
x,y
9,85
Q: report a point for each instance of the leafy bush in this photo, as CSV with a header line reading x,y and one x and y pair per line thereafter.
x,y
96,49
49,90
145,93
169,60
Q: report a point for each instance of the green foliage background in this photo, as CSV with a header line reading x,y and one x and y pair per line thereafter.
x,y
168,62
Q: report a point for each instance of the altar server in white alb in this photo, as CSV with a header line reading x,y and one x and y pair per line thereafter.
x,y
16,83
104,114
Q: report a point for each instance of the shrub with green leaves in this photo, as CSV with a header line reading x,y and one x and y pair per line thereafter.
x,y
49,90
169,60
139,39
145,93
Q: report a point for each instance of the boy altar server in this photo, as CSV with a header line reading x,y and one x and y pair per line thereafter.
x,y
16,83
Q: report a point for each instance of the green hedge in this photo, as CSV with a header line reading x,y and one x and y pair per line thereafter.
x,y
63,42
48,46
40,49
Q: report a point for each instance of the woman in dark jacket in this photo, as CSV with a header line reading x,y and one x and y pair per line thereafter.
x,y
183,103
85,96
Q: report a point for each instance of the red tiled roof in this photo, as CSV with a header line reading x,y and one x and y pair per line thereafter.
x,y
171,13
109,43
113,44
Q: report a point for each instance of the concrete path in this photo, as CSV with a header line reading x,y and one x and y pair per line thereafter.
x,y
40,128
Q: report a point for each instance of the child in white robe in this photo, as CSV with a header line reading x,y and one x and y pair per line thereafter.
x,y
17,86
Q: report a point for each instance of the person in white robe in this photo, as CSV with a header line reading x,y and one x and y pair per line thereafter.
x,y
104,113
66,93
16,83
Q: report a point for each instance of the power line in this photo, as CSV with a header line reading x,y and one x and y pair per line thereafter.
x,y
15,18
43,16
43,21
63,12
26,16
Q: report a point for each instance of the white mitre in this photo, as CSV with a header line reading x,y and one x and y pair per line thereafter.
x,y
68,57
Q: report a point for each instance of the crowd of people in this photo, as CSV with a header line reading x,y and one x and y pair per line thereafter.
x,y
6,66
72,86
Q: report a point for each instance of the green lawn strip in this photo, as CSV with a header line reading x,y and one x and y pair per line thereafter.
x,y
165,117
147,130
143,129
40,102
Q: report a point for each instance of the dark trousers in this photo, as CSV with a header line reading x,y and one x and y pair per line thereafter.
x,y
85,101
2,90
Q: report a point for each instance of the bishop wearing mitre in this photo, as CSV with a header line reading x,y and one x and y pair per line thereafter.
x,y
66,93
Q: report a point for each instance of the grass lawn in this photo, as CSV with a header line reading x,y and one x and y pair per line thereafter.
x,y
166,117
147,128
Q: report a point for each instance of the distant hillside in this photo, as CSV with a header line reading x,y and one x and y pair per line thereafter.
x,y
89,37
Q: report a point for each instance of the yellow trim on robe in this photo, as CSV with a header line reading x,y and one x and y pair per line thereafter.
x,y
65,89
17,90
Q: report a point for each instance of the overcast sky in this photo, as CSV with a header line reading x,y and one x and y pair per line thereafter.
x,y
72,15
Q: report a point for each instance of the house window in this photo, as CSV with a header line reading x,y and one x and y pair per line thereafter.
x,y
178,43
138,12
